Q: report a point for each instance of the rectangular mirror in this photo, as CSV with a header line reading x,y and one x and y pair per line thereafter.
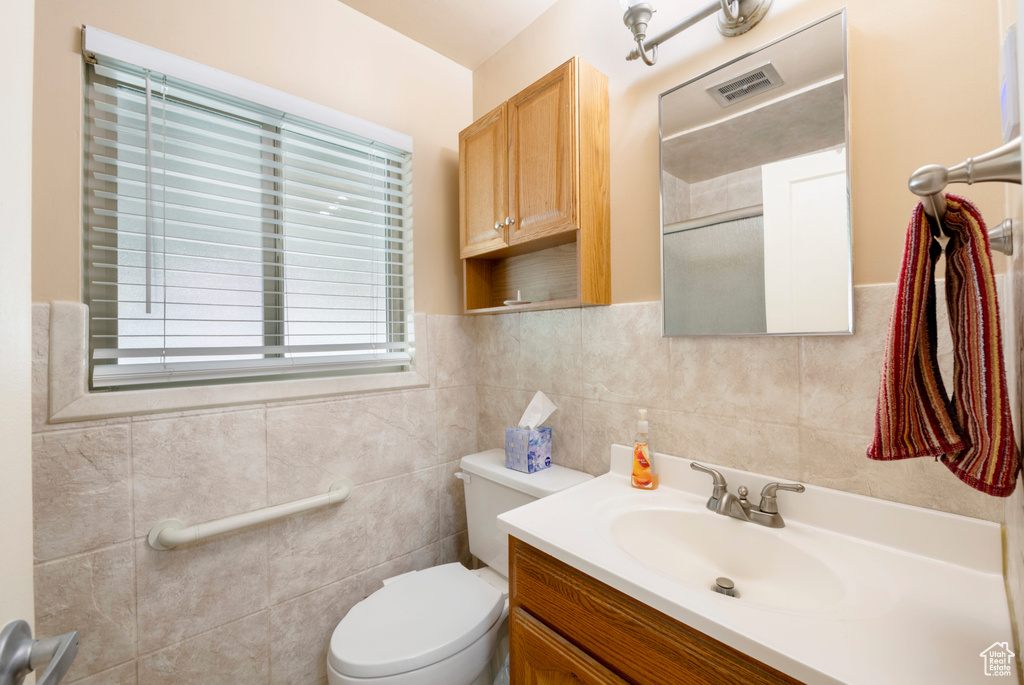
x,y
755,201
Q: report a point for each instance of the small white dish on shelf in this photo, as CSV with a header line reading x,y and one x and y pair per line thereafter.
x,y
519,300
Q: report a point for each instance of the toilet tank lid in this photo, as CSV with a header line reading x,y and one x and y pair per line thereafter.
x,y
491,465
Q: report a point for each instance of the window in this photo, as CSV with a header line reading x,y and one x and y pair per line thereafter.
x,y
227,240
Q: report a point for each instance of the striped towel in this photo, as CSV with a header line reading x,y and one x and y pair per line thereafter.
x,y
973,434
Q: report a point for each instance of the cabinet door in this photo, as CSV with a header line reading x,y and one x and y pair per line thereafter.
x,y
542,157
540,656
483,185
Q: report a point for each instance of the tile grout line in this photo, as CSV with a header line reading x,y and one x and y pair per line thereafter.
x,y
632,403
135,559
87,552
189,638
266,471
335,582
105,670
434,368
800,407
270,651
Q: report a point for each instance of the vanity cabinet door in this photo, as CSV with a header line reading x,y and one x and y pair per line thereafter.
x,y
483,184
542,157
644,646
540,656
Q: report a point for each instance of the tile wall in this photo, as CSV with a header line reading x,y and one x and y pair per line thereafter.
x,y
258,606
246,608
796,408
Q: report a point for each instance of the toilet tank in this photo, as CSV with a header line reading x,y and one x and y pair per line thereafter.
x,y
492,489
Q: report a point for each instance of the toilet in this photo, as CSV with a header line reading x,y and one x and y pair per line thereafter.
x,y
445,625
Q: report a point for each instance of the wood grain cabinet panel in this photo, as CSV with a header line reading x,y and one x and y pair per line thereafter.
x,y
636,643
483,194
541,656
542,155
552,243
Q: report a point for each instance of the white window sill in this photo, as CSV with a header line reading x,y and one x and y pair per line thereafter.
x,y
70,399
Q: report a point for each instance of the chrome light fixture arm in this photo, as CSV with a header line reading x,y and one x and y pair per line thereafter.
x,y
735,17
731,11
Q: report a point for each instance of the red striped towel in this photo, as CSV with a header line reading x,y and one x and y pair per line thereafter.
x,y
973,434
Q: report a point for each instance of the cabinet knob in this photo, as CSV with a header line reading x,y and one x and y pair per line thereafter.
x,y
497,225
509,221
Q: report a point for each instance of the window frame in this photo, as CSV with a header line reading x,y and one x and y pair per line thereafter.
x,y
397,283
69,397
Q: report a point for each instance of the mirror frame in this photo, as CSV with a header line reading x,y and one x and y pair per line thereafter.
x,y
849,180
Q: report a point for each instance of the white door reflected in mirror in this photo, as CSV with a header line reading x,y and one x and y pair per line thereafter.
x,y
806,243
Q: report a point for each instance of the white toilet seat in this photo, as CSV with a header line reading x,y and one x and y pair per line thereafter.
x,y
433,626
461,668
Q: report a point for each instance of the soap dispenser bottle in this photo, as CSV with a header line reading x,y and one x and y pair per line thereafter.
x,y
643,476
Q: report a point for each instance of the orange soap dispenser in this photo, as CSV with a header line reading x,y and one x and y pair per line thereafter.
x,y
643,476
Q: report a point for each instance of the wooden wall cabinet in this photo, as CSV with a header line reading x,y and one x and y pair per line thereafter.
x,y
534,207
567,627
483,186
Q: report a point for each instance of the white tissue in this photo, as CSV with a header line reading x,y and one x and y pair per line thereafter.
x,y
540,408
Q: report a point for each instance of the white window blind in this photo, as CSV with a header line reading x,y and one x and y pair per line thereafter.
x,y
227,240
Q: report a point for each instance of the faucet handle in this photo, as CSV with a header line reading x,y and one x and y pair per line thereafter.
x,y
769,504
721,487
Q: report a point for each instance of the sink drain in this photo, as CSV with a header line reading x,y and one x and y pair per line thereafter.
x,y
725,586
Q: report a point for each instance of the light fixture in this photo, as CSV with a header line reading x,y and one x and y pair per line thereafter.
x,y
734,18
636,18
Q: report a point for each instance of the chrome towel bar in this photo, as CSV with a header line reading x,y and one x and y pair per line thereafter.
x,y
170,533
1002,164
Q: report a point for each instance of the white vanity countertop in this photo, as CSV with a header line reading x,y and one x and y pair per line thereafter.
x,y
922,591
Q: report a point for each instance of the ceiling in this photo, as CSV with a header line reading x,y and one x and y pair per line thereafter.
x,y
465,31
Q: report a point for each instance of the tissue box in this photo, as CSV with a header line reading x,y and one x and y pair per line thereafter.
x,y
527,450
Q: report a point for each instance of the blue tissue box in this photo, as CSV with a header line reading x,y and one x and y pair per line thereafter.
x,y
527,450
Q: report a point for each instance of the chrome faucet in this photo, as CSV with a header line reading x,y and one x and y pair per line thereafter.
x,y
727,504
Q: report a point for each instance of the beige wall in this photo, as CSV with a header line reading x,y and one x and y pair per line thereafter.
x,y
317,49
15,328
924,89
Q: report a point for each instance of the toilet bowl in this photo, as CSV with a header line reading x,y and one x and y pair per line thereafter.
x,y
445,625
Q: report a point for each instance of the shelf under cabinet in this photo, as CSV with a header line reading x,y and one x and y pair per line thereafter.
x,y
549,278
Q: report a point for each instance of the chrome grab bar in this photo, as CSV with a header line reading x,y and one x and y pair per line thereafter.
x,y
20,654
170,533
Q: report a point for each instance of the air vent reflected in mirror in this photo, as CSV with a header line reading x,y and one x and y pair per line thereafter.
x,y
747,85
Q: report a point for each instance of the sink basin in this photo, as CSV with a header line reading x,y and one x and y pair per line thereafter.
x,y
696,547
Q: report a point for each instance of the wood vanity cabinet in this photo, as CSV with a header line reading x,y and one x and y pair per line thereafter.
x,y
543,657
534,208
566,627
